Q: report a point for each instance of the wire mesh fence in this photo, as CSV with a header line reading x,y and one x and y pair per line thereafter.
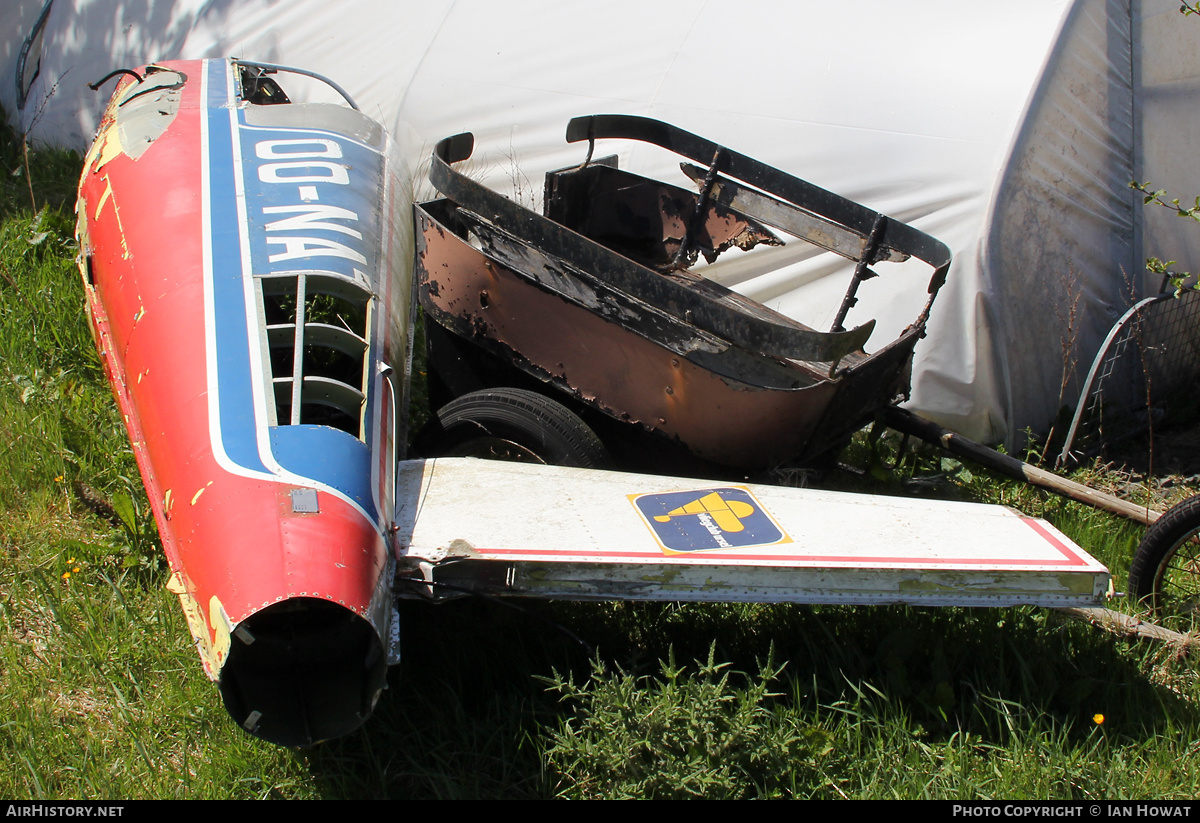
x,y
1148,364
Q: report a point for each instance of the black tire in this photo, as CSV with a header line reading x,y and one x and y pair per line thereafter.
x,y
1165,573
512,424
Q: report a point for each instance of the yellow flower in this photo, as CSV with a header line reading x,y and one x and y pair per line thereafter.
x,y
1098,719
58,479
66,576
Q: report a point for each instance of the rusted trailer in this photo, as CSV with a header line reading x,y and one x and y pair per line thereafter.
x,y
598,302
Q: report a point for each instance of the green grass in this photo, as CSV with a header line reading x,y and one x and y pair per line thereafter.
x,y
105,698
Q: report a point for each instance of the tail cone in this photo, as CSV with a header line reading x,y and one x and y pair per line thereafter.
x,y
302,671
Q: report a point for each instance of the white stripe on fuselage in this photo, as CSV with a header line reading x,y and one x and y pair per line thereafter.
x,y
258,378
210,327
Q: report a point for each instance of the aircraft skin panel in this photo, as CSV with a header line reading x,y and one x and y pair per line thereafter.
x,y
319,451
254,178
647,537
167,287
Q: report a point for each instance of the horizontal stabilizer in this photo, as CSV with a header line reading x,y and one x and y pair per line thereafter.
x,y
543,531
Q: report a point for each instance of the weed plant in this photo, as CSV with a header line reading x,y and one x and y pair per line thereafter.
x,y
104,696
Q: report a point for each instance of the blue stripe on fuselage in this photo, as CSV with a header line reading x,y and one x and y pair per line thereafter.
x,y
328,456
234,376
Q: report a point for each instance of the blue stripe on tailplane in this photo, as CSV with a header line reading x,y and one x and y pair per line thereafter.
x,y
328,455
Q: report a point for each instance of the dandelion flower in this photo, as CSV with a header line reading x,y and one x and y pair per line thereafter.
x,y
1098,719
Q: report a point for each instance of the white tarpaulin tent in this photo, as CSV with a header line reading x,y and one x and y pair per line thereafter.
x,y
1009,131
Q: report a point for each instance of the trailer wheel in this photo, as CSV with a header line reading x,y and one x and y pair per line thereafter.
x,y
512,424
1165,573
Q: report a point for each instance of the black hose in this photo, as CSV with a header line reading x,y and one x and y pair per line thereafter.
x,y
96,86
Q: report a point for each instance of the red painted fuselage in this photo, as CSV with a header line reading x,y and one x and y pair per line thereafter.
x,y
237,257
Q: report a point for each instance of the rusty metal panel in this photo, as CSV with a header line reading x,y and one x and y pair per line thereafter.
x,y
595,297
675,380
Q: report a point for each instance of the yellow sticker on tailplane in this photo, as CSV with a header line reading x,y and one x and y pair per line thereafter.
x,y
708,519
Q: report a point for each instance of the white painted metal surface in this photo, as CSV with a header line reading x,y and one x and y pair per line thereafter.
x,y
543,531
